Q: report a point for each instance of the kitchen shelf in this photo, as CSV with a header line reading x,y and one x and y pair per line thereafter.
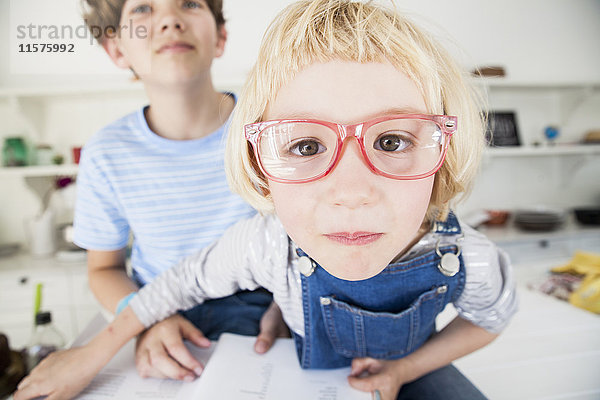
x,y
504,83
115,87
129,86
509,233
40,170
558,149
66,90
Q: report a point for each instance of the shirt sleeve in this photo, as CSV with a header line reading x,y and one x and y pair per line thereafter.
x,y
489,298
99,222
246,257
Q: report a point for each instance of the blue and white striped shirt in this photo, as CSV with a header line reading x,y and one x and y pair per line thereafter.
x,y
172,195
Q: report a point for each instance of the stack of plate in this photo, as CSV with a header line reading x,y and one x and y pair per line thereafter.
x,y
540,219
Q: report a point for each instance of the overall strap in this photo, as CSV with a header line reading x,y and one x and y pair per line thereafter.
x,y
448,227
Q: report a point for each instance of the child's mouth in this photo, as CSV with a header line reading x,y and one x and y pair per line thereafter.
x,y
354,238
175,47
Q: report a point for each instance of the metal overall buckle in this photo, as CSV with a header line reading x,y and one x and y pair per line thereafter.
x,y
449,264
306,265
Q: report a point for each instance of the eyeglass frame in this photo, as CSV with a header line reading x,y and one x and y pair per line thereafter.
x,y
447,124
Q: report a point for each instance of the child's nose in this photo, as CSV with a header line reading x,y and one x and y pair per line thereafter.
x,y
170,19
352,183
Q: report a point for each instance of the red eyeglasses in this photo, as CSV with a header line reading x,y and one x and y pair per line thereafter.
x,y
404,146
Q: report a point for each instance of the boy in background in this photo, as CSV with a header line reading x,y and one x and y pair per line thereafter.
x,y
158,173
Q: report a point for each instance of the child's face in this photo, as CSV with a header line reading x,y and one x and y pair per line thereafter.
x,y
352,222
168,41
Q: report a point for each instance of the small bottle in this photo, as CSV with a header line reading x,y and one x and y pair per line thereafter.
x,y
45,339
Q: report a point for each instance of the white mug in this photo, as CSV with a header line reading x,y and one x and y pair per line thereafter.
x,y
41,234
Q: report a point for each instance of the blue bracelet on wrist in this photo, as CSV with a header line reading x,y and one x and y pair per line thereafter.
x,y
124,301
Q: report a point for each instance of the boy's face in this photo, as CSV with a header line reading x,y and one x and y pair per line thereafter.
x,y
167,41
352,222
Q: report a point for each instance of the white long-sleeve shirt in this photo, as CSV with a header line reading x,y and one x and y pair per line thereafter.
x,y
257,252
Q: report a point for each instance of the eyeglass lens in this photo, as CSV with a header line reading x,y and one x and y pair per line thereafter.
x,y
304,150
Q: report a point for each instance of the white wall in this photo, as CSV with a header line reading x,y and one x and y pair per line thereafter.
x,y
87,63
538,42
565,181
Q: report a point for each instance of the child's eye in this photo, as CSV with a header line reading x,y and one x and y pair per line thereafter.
x,y
141,9
193,4
391,142
307,147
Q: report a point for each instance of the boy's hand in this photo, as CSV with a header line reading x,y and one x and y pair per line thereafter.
x,y
272,326
160,352
368,375
61,375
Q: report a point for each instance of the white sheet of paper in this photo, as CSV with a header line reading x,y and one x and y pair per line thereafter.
x,y
119,379
235,371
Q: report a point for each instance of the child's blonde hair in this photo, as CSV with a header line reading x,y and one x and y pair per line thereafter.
x,y
307,32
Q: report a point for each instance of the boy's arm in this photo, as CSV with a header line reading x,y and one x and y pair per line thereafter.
x,y
65,373
110,283
457,339
108,278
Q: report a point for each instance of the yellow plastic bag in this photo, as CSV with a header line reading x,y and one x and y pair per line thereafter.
x,y
587,296
582,263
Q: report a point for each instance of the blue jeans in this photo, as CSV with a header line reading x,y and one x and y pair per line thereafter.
x,y
239,313
446,383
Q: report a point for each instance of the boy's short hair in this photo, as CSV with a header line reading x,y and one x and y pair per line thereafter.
x,y
324,30
103,17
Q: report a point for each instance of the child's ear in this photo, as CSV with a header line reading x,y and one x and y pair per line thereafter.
x,y
221,40
111,46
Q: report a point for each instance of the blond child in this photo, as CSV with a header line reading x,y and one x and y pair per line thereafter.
x,y
353,134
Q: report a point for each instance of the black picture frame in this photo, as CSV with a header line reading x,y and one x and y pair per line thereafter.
x,y
502,129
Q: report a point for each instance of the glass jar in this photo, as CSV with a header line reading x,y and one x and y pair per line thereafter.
x,y
43,154
14,152
44,340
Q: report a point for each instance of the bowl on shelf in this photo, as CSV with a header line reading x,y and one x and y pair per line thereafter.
x,y
496,217
540,219
587,216
592,137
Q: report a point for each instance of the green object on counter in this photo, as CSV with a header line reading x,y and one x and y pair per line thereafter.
x,y
37,304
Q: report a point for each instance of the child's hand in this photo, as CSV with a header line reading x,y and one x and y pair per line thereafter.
x,y
369,375
272,326
61,375
160,352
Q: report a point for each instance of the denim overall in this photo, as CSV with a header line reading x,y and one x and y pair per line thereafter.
x,y
387,316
